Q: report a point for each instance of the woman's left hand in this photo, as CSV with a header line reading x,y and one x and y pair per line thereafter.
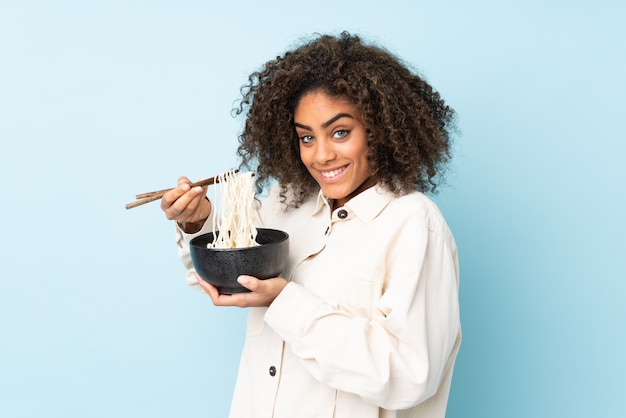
x,y
263,292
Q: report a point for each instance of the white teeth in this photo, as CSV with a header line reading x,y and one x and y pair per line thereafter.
x,y
333,173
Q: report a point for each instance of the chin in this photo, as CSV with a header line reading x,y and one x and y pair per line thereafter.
x,y
334,196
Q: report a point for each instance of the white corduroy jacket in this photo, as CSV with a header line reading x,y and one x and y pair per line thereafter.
x,y
368,325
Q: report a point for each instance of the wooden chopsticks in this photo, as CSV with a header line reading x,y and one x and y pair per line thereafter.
x,y
143,198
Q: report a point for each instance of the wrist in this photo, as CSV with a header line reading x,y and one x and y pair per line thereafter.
x,y
191,227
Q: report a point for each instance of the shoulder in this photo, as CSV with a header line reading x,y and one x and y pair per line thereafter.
x,y
416,210
416,205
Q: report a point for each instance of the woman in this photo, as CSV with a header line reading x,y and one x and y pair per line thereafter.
x,y
365,322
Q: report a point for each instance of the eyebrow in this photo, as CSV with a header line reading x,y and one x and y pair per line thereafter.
x,y
328,122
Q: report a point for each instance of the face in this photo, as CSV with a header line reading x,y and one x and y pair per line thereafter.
x,y
333,145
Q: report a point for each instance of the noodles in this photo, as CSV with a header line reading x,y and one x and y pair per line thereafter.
x,y
234,228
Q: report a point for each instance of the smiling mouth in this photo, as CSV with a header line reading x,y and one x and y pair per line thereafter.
x,y
333,173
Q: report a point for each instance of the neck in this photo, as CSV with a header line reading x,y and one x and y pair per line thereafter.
x,y
369,182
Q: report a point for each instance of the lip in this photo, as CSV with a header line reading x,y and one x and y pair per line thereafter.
x,y
334,177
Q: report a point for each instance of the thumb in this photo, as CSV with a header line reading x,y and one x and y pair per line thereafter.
x,y
248,282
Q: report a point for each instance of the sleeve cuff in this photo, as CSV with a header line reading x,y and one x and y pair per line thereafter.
x,y
182,242
292,311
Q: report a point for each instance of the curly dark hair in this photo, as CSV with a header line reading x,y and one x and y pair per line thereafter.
x,y
407,123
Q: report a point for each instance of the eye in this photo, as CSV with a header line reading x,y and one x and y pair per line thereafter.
x,y
341,133
306,139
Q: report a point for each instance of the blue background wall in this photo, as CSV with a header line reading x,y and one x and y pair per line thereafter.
x,y
102,100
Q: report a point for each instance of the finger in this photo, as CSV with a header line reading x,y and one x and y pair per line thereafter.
x,y
202,283
241,300
183,179
208,288
168,198
188,202
263,292
181,202
249,282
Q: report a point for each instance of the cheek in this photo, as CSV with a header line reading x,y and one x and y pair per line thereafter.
x,y
360,153
305,155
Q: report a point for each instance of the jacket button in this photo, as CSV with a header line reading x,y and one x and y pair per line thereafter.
x,y
343,214
272,371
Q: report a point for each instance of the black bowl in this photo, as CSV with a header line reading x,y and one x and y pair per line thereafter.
x,y
222,266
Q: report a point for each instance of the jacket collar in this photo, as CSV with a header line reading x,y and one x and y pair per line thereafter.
x,y
366,205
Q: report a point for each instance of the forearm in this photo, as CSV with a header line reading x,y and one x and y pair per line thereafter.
x,y
357,353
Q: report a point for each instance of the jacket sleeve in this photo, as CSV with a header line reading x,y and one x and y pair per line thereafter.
x,y
182,242
395,357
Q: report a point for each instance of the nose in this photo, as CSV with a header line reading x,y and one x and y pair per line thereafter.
x,y
324,151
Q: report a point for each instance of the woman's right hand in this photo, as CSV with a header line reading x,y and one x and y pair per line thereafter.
x,y
186,204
